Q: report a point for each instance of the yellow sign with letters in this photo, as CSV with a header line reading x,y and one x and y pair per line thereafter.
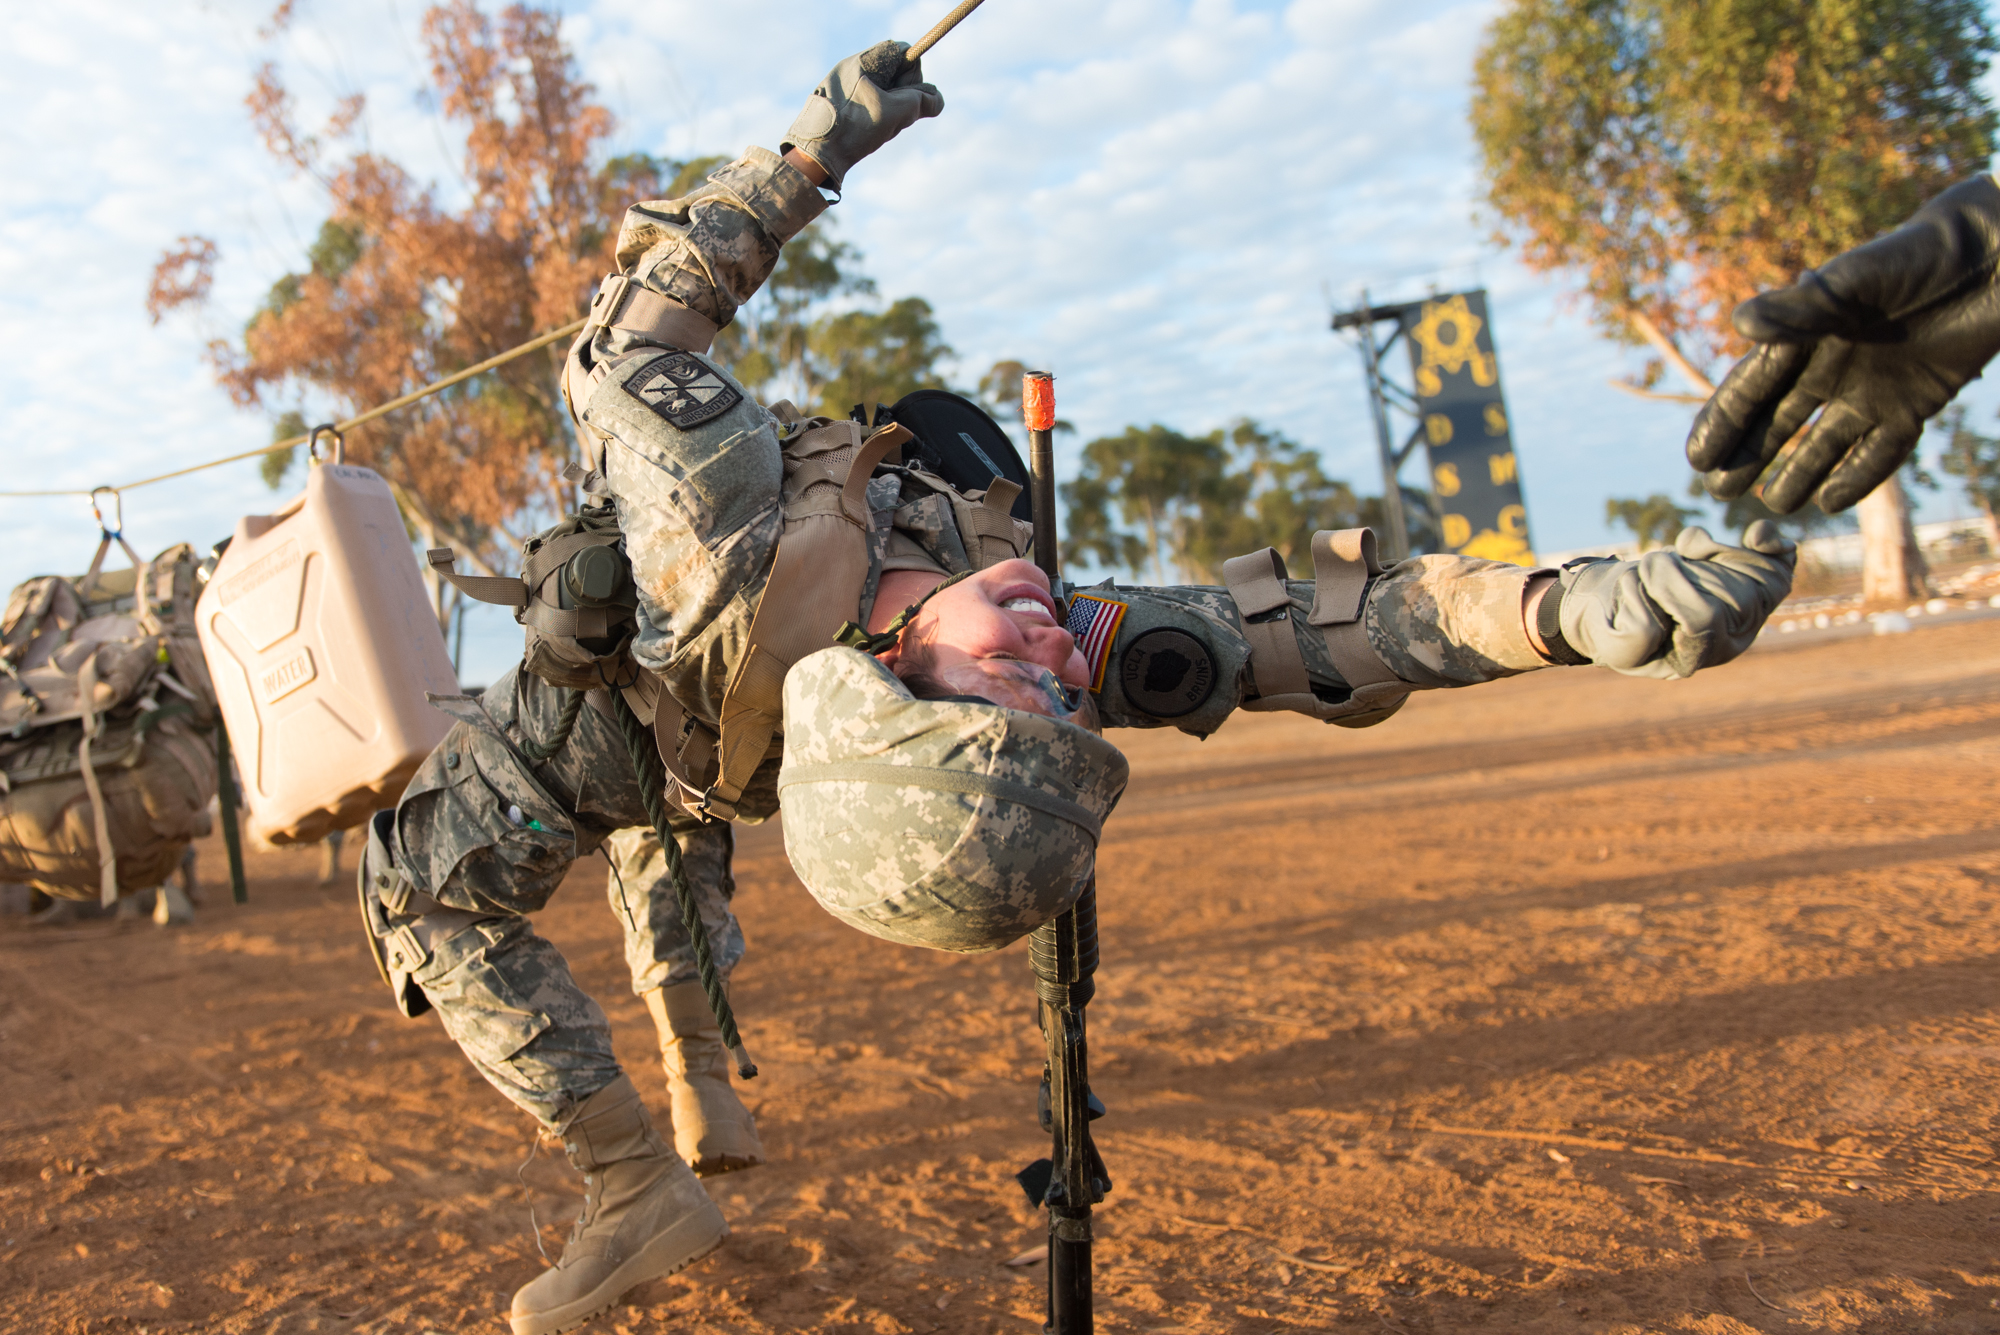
x,y
1475,474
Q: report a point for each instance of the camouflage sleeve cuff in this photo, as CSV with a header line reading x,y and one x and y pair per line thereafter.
x,y
1441,621
772,191
713,248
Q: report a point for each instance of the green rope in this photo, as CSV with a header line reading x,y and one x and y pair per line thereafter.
x,y
566,724
652,774
857,637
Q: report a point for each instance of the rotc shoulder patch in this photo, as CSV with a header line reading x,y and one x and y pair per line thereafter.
x,y
1094,619
1168,673
683,389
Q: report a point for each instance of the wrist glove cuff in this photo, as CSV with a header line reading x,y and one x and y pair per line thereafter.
x,y
1548,625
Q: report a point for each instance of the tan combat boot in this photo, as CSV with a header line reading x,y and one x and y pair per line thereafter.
x,y
713,1131
644,1215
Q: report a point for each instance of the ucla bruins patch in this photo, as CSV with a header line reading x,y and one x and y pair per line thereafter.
x,y
1167,673
682,389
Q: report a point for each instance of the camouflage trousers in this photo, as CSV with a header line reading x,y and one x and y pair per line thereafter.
x,y
488,833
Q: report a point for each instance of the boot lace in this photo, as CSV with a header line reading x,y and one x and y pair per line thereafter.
x,y
521,1176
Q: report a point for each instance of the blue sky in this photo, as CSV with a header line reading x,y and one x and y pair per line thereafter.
x,y
1159,199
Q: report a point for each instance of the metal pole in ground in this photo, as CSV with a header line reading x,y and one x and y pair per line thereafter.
x,y
1064,956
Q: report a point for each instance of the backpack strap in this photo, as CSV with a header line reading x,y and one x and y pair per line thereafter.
x,y
816,582
107,856
141,572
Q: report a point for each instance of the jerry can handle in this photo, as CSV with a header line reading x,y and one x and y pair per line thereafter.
x,y
337,455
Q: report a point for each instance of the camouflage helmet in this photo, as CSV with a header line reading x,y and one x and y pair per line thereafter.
x,y
952,824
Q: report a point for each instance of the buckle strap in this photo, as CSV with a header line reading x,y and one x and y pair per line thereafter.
x,y
1257,585
400,896
576,623
500,590
1343,564
623,304
1548,624
677,737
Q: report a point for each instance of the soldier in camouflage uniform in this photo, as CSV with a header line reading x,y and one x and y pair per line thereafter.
x,y
986,785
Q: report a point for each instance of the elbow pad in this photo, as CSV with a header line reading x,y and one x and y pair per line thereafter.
x,y
1189,657
1344,565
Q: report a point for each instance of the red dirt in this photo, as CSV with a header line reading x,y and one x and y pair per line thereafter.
x,y
1571,1004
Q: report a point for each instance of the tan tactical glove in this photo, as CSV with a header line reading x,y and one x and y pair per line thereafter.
x,y
1670,613
866,101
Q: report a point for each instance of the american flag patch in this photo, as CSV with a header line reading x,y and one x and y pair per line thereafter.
x,y
1094,621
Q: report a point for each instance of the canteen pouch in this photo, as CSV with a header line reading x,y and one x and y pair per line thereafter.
x,y
574,599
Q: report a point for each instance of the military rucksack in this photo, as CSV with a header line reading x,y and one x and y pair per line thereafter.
x,y
107,727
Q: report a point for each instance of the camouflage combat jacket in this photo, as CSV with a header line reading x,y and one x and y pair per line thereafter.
x,y
694,465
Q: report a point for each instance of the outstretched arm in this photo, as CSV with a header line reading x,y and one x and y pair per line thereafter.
x,y
1190,656
697,472
710,250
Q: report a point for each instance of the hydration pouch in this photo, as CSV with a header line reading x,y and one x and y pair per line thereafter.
x,y
574,599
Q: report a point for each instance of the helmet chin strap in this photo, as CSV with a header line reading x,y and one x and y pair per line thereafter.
x,y
857,637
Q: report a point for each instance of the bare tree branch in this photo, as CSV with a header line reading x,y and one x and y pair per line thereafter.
x,y
1639,392
1668,349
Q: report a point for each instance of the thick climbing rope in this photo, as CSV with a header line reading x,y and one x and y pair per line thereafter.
x,y
652,773
565,725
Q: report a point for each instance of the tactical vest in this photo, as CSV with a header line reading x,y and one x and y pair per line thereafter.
x,y
821,573
578,625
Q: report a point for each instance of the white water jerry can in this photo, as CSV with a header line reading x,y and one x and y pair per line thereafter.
x,y
322,644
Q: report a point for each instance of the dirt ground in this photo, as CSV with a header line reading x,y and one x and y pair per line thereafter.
x,y
1571,1004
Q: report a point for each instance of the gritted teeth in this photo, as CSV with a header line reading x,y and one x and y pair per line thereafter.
x,y
1024,605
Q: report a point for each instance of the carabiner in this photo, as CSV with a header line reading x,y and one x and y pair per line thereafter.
x,y
118,507
339,452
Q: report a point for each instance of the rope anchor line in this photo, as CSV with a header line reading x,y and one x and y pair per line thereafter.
x,y
335,429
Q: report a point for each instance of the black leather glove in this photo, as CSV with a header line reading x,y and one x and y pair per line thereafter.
x,y
1883,335
862,103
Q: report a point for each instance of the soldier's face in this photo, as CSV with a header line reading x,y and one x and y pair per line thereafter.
x,y
1013,684
1004,612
